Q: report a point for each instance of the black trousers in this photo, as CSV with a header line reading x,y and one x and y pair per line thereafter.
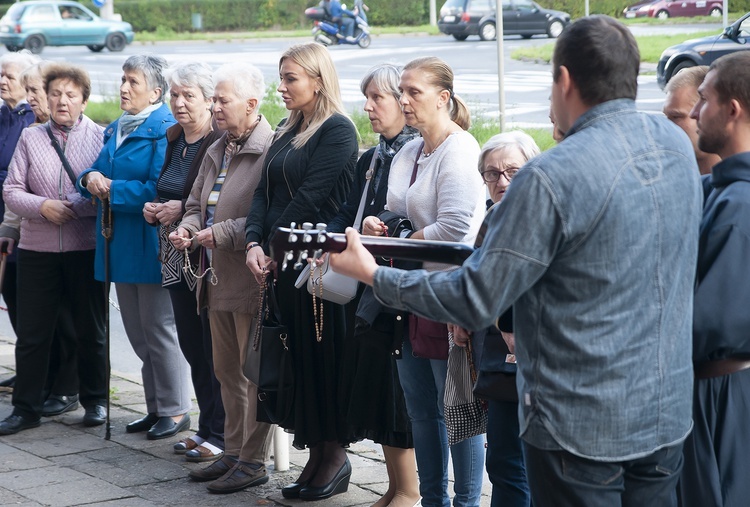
x,y
194,335
47,282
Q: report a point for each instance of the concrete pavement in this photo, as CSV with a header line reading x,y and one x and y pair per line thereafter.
x,y
63,463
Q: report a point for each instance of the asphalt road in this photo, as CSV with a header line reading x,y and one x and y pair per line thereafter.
x,y
474,63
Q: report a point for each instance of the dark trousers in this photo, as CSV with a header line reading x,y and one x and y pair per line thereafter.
x,y
717,452
194,335
561,479
504,461
46,283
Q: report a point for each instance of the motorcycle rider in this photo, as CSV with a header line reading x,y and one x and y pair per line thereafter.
x,y
342,17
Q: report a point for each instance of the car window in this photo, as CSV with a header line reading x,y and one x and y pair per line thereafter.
x,y
73,12
524,5
744,30
454,3
481,5
15,12
37,13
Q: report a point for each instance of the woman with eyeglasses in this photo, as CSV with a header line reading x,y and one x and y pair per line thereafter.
x,y
499,161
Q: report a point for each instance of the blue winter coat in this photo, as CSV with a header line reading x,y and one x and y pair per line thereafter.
x,y
133,168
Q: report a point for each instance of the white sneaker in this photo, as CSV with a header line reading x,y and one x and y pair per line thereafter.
x,y
349,38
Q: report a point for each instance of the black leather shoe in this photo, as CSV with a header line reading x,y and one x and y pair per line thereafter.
x,y
166,427
8,382
339,484
15,423
213,471
56,405
95,415
142,424
292,490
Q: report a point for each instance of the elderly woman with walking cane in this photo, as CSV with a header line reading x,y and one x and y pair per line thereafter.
x,y
123,178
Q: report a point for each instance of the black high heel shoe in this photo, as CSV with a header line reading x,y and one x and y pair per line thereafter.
x,y
339,484
292,490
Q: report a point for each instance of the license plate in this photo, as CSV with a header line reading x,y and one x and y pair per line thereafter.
x,y
449,19
630,14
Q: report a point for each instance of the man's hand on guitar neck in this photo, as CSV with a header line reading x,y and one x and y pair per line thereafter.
x,y
355,261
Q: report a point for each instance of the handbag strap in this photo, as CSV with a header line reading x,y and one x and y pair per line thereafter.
x,y
368,178
61,154
416,160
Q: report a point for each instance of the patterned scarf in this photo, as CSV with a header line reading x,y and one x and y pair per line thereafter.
x,y
234,143
389,148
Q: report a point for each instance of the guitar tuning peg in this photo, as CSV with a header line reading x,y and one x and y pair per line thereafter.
x,y
307,226
288,255
301,259
292,235
320,226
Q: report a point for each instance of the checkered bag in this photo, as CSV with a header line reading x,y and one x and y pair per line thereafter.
x,y
465,415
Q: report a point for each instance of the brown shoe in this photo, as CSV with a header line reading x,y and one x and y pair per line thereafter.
x,y
238,478
214,471
202,453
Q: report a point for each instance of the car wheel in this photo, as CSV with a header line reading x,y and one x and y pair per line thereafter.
x,y
685,64
715,12
11,48
365,41
115,42
460,37
487,31
555,28
95,47
662,14
35,44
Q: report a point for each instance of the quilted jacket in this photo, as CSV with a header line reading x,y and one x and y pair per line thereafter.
x,y
36,174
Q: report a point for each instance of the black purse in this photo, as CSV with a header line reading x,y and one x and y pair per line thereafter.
x,y
268,362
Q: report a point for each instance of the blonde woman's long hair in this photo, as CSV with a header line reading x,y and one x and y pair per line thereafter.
x,y
315,60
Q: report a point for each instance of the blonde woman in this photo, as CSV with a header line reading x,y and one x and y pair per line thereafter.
x,y
306,177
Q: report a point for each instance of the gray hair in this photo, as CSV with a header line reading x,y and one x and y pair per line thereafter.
x,y
192,74
386,77
36,71
512,139
246,80
22,59
153,68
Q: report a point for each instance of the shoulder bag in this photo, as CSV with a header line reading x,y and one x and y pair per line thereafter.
x,y
337,288
465,414
268,359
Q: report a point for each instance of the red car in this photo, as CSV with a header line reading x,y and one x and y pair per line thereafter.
x,y
664,9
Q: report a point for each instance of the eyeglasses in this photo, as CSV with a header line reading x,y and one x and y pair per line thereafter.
x,y
492,176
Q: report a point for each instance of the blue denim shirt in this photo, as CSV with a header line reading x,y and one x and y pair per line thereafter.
x,y
596,243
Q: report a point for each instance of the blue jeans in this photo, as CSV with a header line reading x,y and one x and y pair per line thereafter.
x,y
505,465
423,381
561,479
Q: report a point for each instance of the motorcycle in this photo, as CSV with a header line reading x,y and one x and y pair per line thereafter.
x,y
327,32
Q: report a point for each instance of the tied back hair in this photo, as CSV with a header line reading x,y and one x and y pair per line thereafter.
x,y
317,64
441,75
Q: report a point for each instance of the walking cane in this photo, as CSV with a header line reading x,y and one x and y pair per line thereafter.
x,y
107,233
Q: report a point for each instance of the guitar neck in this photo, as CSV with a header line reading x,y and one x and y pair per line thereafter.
x,y
445,252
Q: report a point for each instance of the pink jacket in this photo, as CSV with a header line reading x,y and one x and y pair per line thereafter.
x,y
36,174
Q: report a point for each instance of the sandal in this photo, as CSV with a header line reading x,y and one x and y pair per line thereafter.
x,y
203,452
187,444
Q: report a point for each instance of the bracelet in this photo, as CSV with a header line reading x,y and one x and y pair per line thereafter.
x,y
250,246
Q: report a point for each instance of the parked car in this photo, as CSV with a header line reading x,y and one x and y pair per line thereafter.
x,y
703,51
36,24
664,9
461,18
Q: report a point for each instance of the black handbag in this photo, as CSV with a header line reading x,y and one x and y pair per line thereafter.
x,y
268,362
496,379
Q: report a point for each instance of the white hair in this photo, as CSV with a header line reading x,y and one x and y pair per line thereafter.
x,y
192,74
22,59
246,80
512,139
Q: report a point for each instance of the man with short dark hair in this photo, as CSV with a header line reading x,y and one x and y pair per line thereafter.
x,y
601,283
682,94
717,453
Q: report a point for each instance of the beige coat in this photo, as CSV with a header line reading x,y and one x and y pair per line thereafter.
x,y
237,290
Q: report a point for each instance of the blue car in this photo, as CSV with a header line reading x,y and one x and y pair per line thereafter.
x,y
690,53
34,25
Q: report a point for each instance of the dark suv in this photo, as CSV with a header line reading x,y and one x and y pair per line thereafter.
x,y
461,18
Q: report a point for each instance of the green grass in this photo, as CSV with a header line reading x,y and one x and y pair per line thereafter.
x,y
104,112
162,34
651,47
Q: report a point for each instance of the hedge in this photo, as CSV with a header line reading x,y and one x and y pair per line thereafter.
x,y
249,15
